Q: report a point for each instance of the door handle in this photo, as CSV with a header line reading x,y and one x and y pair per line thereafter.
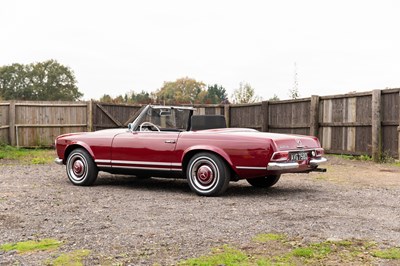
x,y
170,141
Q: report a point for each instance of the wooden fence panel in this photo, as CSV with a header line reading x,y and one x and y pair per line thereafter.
x,y
212,109
110,115
345,123
4,123
246,115
291,117
39,123
390,123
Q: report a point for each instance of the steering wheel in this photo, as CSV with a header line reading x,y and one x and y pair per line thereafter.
x,y
148,124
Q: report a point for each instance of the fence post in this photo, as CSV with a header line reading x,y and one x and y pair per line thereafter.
x,y
265,116
376,125
398,134
227,114
89,117
11,118
314,115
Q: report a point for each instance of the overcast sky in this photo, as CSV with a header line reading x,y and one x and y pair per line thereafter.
x,y
119,46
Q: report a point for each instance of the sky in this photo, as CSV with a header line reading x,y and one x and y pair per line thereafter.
x,y
115,47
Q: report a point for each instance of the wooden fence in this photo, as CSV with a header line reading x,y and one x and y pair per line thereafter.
x,y
30,124
357,123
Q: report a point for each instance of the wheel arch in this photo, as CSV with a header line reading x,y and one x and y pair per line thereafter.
x,y
74,146
188,154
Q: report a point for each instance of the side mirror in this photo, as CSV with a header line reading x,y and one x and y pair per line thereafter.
x,y
130,126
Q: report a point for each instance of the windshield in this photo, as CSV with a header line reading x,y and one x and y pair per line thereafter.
x,y
167,119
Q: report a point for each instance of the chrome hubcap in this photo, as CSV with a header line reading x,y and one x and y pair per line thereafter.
x,y
78,168
205,175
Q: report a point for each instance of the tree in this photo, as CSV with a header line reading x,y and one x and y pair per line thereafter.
x,y
142,97
274,98
43,81
106,99
245,94
294,93
215,94
182,91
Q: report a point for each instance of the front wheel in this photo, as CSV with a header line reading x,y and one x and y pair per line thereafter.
x,y
207,174
264,182
81,169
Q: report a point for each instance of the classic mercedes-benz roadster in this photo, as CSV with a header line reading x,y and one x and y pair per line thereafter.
x,y
168,141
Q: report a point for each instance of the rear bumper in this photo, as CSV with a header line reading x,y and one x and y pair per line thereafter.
x,y
58,161
282,166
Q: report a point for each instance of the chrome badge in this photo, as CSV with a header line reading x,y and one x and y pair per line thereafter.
x,y
299,143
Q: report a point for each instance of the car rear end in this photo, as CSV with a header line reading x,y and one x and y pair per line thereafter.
x,y
295,154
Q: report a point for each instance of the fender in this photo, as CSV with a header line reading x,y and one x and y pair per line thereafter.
x,y
210,148
74,144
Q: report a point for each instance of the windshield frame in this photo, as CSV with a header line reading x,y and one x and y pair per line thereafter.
x,y
134,126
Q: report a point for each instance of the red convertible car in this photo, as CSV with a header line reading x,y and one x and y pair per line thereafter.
x,y
170,141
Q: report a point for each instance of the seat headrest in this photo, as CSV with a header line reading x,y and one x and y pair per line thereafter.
x,y
201,122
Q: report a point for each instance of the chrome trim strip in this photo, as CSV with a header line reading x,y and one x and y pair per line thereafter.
x,y
102,161
282,166
250,168
143,168
105,165
58,161
145,163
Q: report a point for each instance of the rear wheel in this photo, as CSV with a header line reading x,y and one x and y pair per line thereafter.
x,y
81,169
263,182
207,174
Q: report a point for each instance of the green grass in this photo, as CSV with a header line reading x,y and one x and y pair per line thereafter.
x,y
74,258
277,249
392,254
28,156
385,158
318,250
32,245
224,255
353,157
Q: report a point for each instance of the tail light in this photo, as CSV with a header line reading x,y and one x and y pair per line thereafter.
x,y
280,156
319,152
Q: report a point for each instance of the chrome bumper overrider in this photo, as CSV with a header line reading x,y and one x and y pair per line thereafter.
x,y
274,166
58,161
316,162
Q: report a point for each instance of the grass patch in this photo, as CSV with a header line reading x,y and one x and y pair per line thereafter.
x,y
32,245
277,249
354,157
224,255
29,156
392,254
75,258
385,158
318,250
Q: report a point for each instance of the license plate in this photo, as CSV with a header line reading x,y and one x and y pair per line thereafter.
x,y
299,156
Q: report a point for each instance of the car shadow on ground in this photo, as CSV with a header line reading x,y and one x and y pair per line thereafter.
x,y
235,189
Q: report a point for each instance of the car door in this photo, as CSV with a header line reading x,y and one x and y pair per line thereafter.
x,y
146,150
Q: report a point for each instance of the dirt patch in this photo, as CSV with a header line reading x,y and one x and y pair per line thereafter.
x,y
146,221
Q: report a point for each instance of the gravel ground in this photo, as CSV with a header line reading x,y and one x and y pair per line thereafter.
x,y
146,221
